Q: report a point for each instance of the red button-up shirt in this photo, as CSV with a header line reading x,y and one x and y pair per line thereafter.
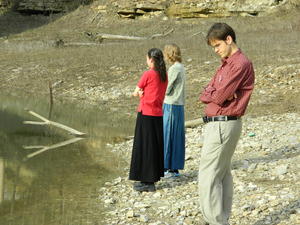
x,y
154,93
235,75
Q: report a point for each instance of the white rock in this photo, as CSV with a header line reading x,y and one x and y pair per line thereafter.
x,y
109,201
130,214
141,205
143,219
281,170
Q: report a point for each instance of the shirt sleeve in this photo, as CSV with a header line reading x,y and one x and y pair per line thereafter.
x,y
229,85
143,80
206,94
172,77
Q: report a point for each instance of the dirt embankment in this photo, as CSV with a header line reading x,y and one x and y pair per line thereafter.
x,y
84,70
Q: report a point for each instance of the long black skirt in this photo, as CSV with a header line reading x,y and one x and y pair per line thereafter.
x,y
147,160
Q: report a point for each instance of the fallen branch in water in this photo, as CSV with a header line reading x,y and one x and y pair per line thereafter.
x,y
46,148
49,122
51,99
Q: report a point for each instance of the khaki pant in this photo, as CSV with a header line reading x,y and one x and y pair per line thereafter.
x,y
215,179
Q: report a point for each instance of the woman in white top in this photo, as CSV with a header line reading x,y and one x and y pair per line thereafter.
x,y
173,117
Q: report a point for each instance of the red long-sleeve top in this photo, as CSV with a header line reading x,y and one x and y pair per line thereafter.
x,y
235,75
153,93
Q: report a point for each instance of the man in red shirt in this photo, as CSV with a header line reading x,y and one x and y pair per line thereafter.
x,y
226,98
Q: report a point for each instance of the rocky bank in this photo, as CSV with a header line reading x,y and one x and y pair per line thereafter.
x,y
266,170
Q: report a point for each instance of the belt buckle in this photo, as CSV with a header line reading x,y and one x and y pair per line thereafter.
x,y
225,118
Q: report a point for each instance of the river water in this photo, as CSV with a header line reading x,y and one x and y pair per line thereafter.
x,y
59,185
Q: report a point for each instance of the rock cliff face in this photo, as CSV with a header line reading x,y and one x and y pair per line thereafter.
x,y
3,3
36,6
199,8
48,5
171,8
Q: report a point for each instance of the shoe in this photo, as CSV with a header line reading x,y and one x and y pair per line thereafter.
x,y
137,184
169,174
176,174
145,187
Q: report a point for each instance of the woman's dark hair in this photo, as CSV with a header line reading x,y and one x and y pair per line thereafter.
x,y
159,63
220,31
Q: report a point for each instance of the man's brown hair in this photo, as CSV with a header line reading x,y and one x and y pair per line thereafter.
x,y
220,31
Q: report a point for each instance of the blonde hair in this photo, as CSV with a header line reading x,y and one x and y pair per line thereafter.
x,y
172,53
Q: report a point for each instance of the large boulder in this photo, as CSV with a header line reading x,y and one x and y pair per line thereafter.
x,y
132,9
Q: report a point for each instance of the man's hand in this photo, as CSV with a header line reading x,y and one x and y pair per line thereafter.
x,y
232,97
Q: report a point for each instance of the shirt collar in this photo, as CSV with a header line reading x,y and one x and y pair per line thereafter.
x,y
232,57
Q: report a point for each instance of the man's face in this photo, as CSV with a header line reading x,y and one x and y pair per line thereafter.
x,y
222,48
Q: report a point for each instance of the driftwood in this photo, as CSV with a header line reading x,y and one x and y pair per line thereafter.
x,y
81,44
188,124
100,36
193,123
45,148
199,32
49,122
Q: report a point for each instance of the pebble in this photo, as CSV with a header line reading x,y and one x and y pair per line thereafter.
x,y
266,180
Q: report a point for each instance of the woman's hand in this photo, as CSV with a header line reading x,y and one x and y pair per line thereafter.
x,y
138,92
141,93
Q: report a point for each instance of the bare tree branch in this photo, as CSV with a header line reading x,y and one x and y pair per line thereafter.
x,y
49,122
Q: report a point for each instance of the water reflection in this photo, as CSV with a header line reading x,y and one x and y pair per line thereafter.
x,y
1,179
58,186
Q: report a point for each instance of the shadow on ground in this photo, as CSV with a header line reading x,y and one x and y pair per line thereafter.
x,y
12,22
279,215
285,152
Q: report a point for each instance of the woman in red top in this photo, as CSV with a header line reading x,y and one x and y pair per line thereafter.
x,y
147,161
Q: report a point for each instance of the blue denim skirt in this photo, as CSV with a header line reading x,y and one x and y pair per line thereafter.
x,y
174,136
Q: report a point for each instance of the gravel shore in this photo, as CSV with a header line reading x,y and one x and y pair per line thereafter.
x,y
265,167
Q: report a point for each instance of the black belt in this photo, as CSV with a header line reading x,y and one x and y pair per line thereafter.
x,y
207,119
